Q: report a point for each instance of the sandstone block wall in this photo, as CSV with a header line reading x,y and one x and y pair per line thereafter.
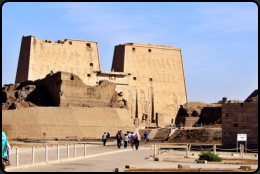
x,y
39,57
61,122
157,81
240,118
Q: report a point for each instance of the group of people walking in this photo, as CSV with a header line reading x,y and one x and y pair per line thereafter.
x,y
127,138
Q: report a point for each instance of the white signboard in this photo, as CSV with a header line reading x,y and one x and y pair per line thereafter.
x,y
241,137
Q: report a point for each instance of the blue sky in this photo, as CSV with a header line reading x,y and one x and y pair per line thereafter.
x,y
219,41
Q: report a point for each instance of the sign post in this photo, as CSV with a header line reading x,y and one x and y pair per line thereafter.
x,y
242,137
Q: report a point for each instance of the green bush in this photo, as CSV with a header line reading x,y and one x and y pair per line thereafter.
x,y
209,156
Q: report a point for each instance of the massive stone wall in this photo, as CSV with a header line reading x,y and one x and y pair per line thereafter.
x,y
39,57
239,118
65,121
157,82
149,78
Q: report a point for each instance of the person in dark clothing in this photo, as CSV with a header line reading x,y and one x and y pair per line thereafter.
x,y
119,138
108,135
137,139
104,139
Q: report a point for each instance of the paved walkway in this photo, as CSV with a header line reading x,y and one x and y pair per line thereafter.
x,y
108,162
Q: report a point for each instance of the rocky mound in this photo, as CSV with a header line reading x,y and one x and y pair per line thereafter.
x,y
16,96
206,136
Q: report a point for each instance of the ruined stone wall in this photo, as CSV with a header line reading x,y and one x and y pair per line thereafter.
x,y
157,82
39,57
75,93
65,121
186,121
239,118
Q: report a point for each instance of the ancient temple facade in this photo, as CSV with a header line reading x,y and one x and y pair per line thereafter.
x,y
149,78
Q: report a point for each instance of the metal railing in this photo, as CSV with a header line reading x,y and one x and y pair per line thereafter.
x,y
186,148
46,153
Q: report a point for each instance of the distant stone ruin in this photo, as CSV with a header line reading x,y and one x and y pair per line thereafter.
x,y
59,89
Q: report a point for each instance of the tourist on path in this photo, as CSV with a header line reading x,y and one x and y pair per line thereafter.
x,y
108,135
129,136
119,138
137,139
104,139
145,137
125,140
132,140
6,149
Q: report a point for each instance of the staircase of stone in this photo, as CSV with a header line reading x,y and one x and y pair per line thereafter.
x,y
162,134
153,133
172,132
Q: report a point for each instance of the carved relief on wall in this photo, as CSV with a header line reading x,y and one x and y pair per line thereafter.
x,y
154,63
168,64
85,58
173,80
164,79
64,55
137,60
168,79
143,61
70,58
143,80
175,102
149,63
142,100
173,63
163,64
159,80
158,63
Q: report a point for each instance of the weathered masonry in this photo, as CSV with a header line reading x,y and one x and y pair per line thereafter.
x,y
39,57
149,78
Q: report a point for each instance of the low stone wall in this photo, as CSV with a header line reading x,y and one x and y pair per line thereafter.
x,y
60,122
